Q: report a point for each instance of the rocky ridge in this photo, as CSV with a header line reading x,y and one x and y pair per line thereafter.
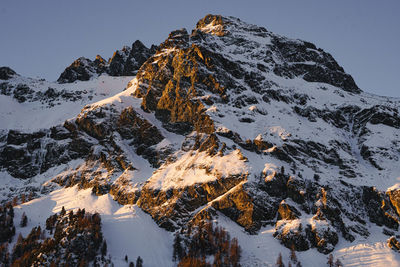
x,y
232,120
124,62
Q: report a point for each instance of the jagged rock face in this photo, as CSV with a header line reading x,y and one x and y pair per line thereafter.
x,y
172,209
82,69
22,92
124,62
25,155
331,212
231,119
172,83
238,205
127,61
324,68
6,73
287,212
394,196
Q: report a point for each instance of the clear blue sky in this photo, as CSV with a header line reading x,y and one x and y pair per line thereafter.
x,y
42,37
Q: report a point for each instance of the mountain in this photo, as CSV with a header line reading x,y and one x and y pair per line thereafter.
x,y
227,139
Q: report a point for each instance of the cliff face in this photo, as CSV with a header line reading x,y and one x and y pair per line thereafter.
x,y
230,120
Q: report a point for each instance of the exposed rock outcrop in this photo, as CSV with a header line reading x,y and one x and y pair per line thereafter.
x,y
173,208
394,244
83,69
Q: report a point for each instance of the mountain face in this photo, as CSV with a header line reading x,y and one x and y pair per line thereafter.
x,y
264,135
124,62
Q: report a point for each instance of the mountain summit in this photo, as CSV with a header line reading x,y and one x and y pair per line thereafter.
x,y
242,143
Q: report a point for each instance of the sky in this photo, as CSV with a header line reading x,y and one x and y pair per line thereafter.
x,y
41,38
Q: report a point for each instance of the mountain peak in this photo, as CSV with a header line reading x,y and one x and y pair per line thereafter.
x,y
176,39
6,73
224,25
285,57
138,45
214,24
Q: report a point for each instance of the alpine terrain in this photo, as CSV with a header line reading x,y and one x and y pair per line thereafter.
x,y
226,146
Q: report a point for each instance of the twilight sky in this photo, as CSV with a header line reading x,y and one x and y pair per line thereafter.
x,y
40,38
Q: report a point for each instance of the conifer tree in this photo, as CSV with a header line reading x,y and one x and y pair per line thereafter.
x,y
15,201
235,252
293,256
62,213
11,211
330,260
177,248
24,220
279,262
338,263
104,248
82,263
70,215
139,262
23,198
20,238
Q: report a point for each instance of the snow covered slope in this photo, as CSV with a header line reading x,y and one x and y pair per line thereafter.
x,y
28,104
263,135
125,227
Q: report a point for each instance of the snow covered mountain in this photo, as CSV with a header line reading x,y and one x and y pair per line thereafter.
x,y
265,136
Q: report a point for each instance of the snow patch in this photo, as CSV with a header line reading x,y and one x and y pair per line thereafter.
x,y
197,167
